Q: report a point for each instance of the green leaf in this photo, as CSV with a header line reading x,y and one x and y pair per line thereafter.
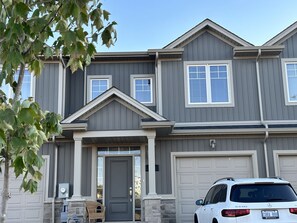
x,y
18,165
26,115
18,143
106,15
21,9
2,138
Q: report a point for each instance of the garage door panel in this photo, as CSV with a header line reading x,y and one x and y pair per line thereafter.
x,y
24,206
288,168
193,183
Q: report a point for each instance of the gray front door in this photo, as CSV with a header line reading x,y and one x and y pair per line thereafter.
x,y
118,184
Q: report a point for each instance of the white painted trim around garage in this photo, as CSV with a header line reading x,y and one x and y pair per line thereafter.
x,y
175,155
276,155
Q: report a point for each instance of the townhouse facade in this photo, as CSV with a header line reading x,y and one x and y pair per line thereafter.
x,y
146,133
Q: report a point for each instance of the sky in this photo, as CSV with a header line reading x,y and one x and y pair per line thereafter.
x,y
152,24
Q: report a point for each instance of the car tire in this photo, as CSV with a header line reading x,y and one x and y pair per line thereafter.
x,y
195,219
214,221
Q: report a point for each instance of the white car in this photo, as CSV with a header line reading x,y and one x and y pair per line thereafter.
x,y
253,200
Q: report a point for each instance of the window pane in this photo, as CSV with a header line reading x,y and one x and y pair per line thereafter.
x,y
219,84
197,84
98,86
292,82
143,90
198,91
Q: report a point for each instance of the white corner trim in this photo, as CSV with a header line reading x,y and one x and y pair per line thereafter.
x,y
175,155
276,155
61,89
46,177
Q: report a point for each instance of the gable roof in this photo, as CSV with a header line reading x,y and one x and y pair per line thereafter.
x,y
110,95
210,25
282,36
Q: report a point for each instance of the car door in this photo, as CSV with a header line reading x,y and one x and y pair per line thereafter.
x,y
205,209
213,200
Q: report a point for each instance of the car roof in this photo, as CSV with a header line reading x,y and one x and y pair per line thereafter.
x,y
232,181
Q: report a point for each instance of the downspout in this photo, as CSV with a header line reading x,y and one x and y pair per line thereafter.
x,y
261,113
157,82
55,179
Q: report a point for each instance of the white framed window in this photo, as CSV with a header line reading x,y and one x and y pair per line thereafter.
x,y
27,87
97,85
209,84
142,88
290,80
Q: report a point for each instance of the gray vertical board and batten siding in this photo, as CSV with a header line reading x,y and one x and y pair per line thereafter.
x,y
74,94
205,48
272,83
47,84
164,148
49,149
114,116
121,72
66,166
279,143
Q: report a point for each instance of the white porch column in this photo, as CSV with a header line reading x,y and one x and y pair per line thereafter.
x,y
77,168
152,163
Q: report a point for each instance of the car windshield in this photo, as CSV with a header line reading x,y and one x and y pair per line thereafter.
x,y
249,193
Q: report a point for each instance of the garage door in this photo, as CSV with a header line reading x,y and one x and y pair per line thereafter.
x,y
24,207
288,167
194,176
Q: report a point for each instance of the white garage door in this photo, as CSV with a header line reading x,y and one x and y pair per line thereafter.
x,y
194,176
24,207
288,168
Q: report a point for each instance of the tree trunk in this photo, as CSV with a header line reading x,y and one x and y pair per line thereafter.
x,y
18,89
5,193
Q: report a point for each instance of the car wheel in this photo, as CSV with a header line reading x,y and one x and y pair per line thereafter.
x,y
195,219
214,221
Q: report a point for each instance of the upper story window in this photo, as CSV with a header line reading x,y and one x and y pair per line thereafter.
x,y
97,85
290,80
208,84
142,88
27,87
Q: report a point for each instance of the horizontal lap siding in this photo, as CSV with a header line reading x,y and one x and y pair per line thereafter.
x,y
164,148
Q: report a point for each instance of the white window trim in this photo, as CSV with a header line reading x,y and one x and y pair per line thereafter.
x,y
96,77
286,61
229,80
133,77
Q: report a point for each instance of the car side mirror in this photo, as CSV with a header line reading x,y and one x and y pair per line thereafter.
x,y
199,202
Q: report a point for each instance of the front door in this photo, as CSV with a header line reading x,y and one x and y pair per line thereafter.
x,y
119,191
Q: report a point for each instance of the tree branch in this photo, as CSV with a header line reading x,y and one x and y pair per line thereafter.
x,y
43,29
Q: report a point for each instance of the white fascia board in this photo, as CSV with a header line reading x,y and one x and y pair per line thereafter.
x,y
202,25
286,32
109,93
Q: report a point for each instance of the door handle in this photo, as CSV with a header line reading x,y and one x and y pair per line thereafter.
x,y
131,193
